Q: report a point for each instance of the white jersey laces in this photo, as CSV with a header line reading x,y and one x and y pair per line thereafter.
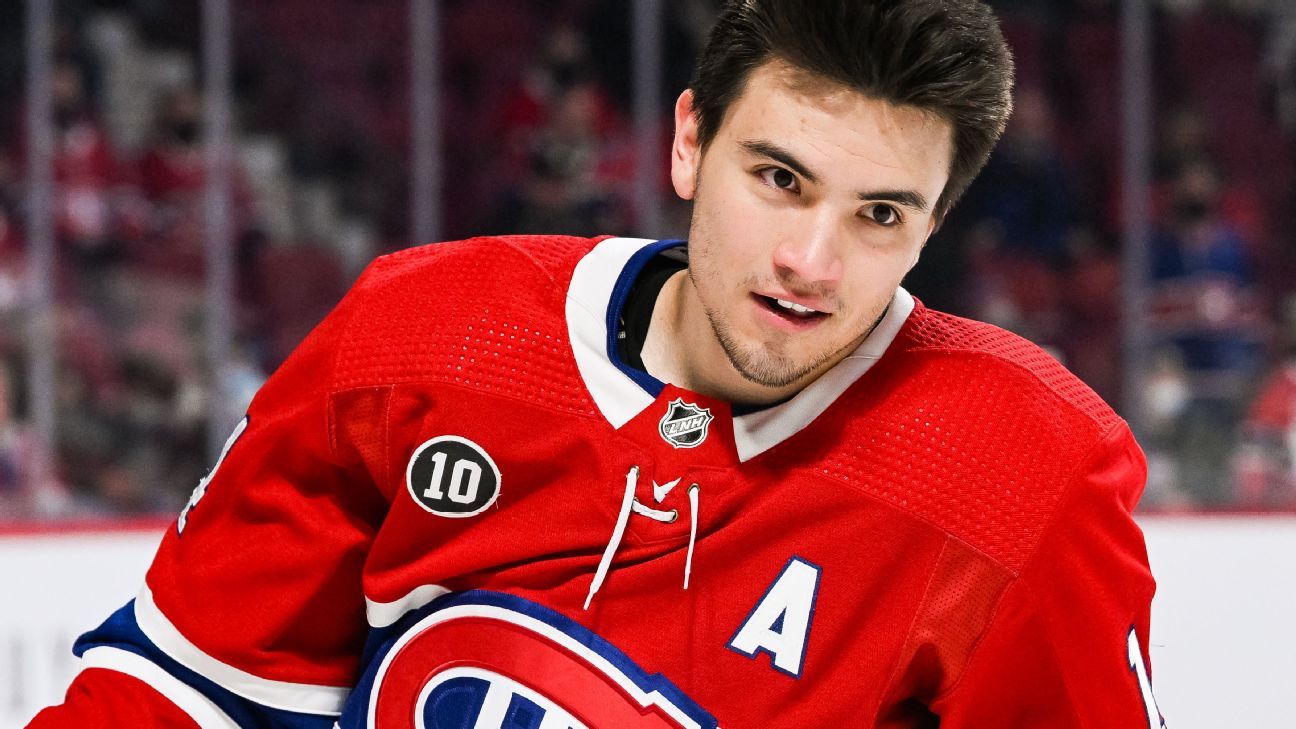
x,y
631,505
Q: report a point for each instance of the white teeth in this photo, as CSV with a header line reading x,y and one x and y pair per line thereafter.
x,y
795,307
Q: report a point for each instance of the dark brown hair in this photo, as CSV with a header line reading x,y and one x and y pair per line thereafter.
x,y
947,57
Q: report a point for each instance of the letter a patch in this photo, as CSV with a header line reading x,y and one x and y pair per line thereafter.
x,y
780,623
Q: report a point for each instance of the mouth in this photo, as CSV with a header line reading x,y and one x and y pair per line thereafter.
x,y
789,313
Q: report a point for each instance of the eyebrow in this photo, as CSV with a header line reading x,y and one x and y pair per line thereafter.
x,y
778,154
908,198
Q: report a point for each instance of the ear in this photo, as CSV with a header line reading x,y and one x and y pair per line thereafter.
x,y
686,154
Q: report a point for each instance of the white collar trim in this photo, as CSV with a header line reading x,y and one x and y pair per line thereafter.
x,y
617,396
757,432
620,398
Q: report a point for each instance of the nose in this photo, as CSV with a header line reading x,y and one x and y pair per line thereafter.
x,y
809,254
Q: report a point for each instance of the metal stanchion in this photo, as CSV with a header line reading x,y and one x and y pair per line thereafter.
x,y
425,121
220,253
648,109
1136,95
41,316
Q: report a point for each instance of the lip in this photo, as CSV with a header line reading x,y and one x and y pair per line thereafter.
x,y
808,302
784,323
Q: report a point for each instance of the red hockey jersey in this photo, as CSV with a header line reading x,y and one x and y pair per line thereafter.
x,y
454,506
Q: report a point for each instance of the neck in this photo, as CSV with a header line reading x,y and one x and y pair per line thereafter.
x,y
681,348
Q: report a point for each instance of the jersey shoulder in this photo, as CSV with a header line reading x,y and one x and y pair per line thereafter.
x,y
493,260
484,313
973,430
986,351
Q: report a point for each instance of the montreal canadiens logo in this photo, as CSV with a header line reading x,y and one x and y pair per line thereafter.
x,y
684,425
453,477
488,660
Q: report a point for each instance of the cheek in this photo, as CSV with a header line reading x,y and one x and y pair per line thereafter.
x,y
728,230
745,231
877,274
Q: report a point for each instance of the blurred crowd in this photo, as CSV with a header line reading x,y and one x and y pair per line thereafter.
x,y
538,138
1040,238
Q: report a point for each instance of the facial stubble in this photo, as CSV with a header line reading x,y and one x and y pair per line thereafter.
x,y
756,363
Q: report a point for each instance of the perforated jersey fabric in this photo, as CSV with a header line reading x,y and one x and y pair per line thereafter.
x,y
945,541
498,317
973,429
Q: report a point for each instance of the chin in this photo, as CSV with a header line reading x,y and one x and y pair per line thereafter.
x,y
759,366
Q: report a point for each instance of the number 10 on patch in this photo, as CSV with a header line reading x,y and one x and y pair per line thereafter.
x,y
453,477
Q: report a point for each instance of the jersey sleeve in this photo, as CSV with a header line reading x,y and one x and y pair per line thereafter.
x,y
1067,645
252,612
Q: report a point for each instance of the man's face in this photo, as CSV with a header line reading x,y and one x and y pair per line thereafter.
x,y
810,205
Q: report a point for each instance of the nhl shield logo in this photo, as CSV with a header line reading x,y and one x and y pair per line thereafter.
x,y
684,425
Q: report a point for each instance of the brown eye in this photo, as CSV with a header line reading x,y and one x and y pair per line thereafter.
x,y
780,178
885,215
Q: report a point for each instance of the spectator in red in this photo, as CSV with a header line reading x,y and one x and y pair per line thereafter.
x,y
87,169
172,174
171,168
557,96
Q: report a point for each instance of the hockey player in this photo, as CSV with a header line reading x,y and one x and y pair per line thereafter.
x,y
743,481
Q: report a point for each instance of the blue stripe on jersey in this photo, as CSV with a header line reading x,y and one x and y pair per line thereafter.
x,y
121,631
620,292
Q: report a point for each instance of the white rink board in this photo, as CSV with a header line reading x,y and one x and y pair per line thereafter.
x,y
59,585
1223,622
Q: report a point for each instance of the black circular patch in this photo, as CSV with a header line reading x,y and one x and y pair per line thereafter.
x,y
453,477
